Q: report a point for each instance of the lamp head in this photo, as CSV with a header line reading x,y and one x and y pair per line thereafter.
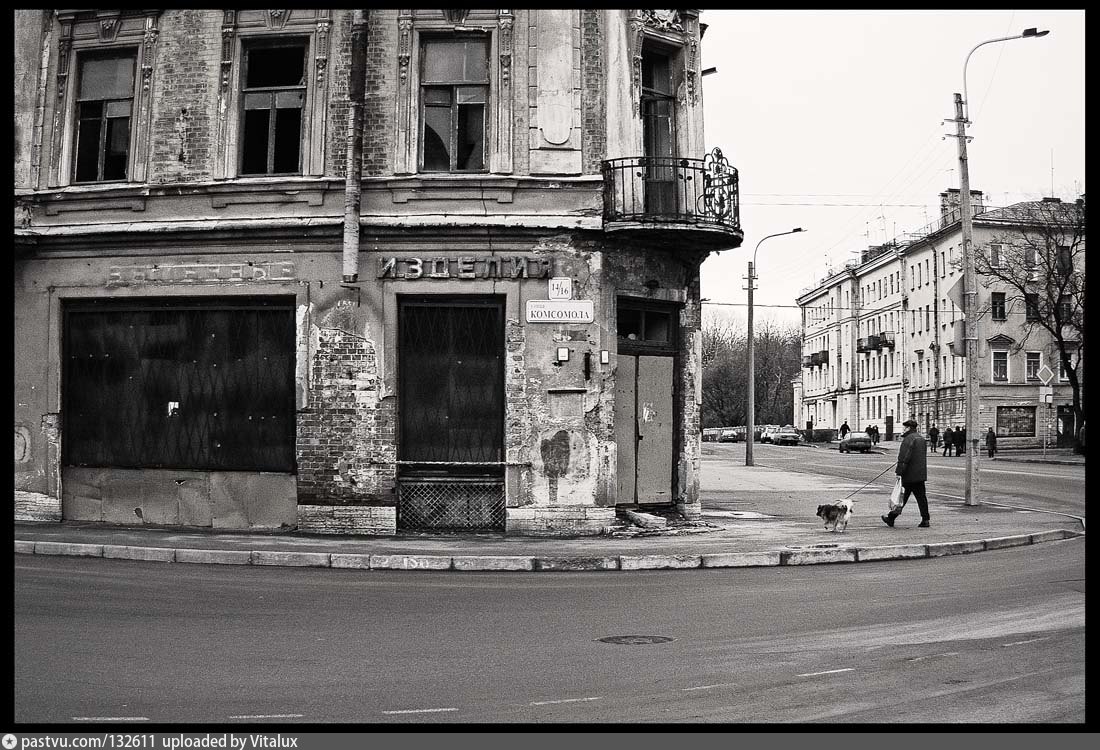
x,y
1034,32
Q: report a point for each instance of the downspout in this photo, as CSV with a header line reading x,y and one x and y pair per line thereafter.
x,y
354,171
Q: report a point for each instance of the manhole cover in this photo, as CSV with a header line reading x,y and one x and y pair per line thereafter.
x,y
634,640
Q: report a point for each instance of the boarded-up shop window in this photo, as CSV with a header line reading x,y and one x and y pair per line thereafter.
x,y
183,383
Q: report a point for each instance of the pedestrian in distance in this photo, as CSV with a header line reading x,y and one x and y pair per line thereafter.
x,y
948,441
991,442
844,429
913,469
933,438
960,441
870,433
874,435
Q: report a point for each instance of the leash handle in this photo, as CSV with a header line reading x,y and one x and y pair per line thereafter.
x,y
869,483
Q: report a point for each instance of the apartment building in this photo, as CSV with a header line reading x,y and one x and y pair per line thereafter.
x,y
360,271
883,337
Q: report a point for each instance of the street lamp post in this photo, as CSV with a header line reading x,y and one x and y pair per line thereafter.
x,y
751,410
970,286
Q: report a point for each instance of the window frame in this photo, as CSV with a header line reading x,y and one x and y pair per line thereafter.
x,y
287,41
1032,374
993,358
996,255
425,39
998,306
119,52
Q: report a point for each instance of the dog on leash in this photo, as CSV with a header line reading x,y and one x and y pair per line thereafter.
x,y
837,514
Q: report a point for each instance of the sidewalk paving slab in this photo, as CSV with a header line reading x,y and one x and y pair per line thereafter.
x,y
752,517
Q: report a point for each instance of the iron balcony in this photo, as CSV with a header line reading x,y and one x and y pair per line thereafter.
x,y
868,344
674,201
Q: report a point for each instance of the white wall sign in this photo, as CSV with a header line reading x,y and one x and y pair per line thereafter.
x,y
561,287
560,311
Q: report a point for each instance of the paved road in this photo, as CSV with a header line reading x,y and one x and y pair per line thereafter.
x,y
997,637
1050,487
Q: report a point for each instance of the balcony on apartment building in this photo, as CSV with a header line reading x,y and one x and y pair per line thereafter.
x,y
868,344
673,201
886,339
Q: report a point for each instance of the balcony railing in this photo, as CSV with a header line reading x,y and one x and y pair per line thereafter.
x,y
815,359
867,344
662,189
886,338
807,360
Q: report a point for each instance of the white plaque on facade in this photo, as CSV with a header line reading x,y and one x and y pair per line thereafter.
x,y
559,311
561,287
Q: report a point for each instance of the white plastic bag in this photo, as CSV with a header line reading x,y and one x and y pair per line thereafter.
x,y
895,496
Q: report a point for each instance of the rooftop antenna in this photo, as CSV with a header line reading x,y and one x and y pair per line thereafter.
x,y
1052,173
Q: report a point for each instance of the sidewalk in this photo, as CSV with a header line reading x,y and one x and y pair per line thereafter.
x,y
752,516
1062,456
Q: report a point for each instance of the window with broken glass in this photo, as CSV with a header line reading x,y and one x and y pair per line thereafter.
x,y
454,96
105,101
273,95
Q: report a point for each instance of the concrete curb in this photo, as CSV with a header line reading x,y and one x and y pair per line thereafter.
x,y
518,563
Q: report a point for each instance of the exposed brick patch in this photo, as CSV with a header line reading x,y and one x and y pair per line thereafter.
x,y
380,104
185,96
593,98
346,439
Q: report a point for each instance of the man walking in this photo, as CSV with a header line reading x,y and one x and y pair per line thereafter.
x,y
948,441
933,438
913,469
960,441
991,442
844,429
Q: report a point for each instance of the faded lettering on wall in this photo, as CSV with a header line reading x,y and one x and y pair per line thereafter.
x,y
465,267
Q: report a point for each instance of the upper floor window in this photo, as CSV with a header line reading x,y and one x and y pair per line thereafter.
x,y
104,107
997,305
1033,365
1000,366
1065,259
996,256
454,96
273,94
1031,306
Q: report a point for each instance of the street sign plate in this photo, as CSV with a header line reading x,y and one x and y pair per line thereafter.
x,y
561,287
559,311
1045,374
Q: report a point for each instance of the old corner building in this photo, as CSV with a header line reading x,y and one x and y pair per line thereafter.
x,y
360,271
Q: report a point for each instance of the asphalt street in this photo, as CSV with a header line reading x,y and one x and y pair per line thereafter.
x,y
995,637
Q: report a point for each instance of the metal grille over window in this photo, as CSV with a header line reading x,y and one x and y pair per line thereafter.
x,y
451,405
452,504
186,384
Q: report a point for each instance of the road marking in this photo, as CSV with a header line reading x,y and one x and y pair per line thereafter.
x,y
565,700
709,687
1020,643
110,718
421,711
829,671
934,656
269,716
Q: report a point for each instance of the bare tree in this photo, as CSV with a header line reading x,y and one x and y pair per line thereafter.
x,y
1038,260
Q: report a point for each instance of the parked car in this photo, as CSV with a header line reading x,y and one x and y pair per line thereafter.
x,y
710,434
730,435
788,435
767,432
855,441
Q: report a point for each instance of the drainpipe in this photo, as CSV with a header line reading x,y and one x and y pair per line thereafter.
x,y
353,190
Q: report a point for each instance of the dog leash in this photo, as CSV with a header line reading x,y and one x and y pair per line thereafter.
x,y
869,483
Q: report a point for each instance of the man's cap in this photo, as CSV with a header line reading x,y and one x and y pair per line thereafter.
x,y
909,423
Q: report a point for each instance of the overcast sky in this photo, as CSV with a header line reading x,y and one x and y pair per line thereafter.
x,y
834,122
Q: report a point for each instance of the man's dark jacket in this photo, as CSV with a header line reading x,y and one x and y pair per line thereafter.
x,y
912,463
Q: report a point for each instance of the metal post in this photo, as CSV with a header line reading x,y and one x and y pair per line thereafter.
x,y
751,409
970,285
